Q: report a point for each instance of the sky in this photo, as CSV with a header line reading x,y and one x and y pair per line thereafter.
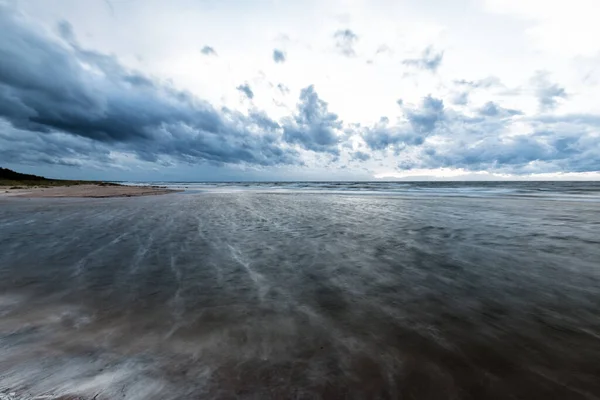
x,y
300,90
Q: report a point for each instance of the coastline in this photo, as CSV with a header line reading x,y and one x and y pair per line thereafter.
x,y
85,191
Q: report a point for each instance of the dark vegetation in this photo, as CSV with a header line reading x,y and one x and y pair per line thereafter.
x,y
17,180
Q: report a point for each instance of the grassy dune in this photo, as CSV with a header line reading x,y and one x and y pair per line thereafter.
x,y
17,180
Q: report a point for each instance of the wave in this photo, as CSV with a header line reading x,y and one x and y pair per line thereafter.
x,y
576,191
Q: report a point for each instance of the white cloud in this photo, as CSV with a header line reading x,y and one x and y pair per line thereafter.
x,y
505,43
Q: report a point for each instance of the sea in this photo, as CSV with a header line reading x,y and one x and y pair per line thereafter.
x,y
304,290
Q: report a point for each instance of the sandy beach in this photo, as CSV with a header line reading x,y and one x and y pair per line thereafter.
x,y
255,294
92,190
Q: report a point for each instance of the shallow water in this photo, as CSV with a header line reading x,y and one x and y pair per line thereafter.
x,y
294,294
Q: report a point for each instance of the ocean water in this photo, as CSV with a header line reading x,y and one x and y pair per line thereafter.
x,y
305,291
548,189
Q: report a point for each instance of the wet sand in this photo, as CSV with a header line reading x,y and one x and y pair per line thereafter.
x,y
253,295
93,190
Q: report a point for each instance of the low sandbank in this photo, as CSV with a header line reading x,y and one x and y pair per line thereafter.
x,y
91,190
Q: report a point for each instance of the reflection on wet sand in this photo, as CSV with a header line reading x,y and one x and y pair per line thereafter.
x,y
255,295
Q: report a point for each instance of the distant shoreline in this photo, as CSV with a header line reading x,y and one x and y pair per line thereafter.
x,y
93,190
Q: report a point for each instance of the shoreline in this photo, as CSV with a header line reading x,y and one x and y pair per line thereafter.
x,y
84,191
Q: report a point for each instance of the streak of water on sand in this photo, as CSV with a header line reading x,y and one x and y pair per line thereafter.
x,y
271,295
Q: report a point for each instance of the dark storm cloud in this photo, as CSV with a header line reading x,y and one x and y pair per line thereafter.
x,y
425,118
485,143
556,149
261,119
31,148
345,40
422,120
278,56
245,89
62,104
313,127
432,136
65,30
47,86
208,51
381,136
430,60
489,152
547,93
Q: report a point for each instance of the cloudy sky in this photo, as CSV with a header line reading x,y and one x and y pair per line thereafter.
x,y
312,89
